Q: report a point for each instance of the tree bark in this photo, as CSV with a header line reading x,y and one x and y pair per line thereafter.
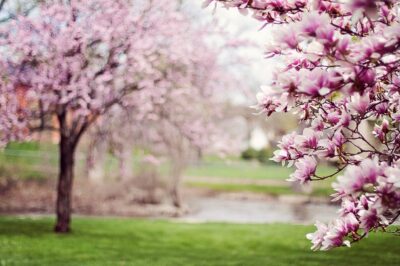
x,y
176,196
64,189
176,173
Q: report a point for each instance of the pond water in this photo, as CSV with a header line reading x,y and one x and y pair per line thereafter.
x,y
257,211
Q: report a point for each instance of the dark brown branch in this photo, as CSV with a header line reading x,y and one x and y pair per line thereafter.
x,y
2,2
42,128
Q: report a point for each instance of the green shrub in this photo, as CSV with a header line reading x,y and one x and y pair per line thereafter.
x,y
24,146
249,154
264,155
28,160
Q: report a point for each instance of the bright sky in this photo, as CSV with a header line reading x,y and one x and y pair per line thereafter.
x,y
260,70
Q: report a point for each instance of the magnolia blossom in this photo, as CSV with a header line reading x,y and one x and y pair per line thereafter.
x,y
305,169
317,238
356,178
393,175
381,130
358,103
341,76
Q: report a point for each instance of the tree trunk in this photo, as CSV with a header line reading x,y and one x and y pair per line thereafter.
x,y
176,196
176,180
64,189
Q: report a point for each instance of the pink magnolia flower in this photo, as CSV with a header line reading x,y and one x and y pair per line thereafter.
x,y
393,174
370,218
341,64
334,234
371,49
268,100
287,141
356,177
305,169
359,103
342,47
382,108
364,77
381,130
363,202
281,156
309,139
344,119
338,139
337,232
286,152
333,117
313,22
288,81
328,148
317,238
348,206
288,35
318,125
319,82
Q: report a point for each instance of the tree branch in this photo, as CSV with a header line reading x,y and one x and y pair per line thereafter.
x,y
2,2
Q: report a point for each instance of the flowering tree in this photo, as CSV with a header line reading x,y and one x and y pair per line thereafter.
x,y
167,126
76,59
341,73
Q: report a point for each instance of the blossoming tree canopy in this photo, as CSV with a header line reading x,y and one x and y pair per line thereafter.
x,y
74,60
341,72
167,127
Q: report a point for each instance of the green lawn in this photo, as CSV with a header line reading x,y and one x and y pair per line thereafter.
x,y
320,191
114,241
245,169
33,160
239,169
236,168
28,160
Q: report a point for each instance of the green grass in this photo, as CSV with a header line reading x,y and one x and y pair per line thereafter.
x,y
275,190
144,242
38,161
246,169
320,191
239,170
235,168
33,160
28,160
253,170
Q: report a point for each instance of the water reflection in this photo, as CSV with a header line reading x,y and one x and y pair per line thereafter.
x,y
256,211
300,212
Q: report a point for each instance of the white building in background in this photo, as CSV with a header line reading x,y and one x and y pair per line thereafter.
x,y
258,139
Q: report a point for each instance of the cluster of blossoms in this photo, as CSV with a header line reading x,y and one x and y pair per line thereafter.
x,y
12,123
341,75
370,199
163,117
78,59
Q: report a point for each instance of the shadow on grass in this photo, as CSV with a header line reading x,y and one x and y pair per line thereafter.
x,y
25,226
